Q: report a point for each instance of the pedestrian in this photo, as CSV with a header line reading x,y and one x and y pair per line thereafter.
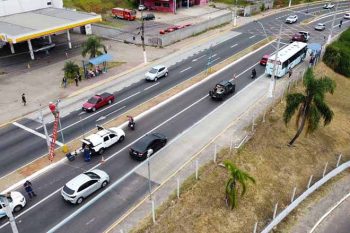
x,y
87,154
64,82
340,23
290,72
76,79
28,187
79,76
24,101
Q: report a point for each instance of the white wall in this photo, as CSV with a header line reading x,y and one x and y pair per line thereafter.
x,y
8,7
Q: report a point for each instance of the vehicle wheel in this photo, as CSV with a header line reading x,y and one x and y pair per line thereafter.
x,y
94,109
155,79
101,151
80,200
121,139
17,208
166,74
104,184
109,101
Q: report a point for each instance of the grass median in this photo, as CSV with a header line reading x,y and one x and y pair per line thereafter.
x,y
276,167
43,161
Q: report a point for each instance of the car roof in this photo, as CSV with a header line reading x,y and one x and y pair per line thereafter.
x,y
266,56
158,67
224,82
76,182
94,138
292,16
143,142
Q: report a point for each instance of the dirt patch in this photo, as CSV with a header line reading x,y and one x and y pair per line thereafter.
x,y
276,167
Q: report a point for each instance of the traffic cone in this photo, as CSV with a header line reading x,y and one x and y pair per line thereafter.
x,y
102,159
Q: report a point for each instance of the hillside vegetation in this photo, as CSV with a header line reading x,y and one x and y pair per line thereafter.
x,y
99,6
276,167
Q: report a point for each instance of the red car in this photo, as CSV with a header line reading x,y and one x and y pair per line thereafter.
x,y
98,101
264,59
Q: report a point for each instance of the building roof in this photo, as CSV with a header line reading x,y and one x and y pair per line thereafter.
x,y
23,26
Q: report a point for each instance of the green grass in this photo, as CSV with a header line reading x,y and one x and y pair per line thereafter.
x,y
99,6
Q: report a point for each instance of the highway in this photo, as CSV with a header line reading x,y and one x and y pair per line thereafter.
x,y
21,146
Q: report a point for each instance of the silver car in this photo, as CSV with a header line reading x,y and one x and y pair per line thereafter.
x,y
77,189
320,27
156,72
292,19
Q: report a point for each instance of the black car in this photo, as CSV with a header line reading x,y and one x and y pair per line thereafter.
x,y
154,141
222,89
148,17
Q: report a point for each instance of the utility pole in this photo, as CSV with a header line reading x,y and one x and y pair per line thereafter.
x,y
9,212
235,16
149,153
331,32
273,79
45,129
290,3
143,38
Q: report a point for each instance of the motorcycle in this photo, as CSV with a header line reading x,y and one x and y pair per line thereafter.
x,y
131,125
253,75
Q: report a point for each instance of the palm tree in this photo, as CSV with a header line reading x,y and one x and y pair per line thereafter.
x,y
92,46
312,106
70,70
231,187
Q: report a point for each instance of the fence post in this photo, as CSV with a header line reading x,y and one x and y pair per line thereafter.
x,y
255,227
197,169
153,212
178,187
253,123
293,195
275,211
215,153
308,185
264,116
339,158
231,145
325,169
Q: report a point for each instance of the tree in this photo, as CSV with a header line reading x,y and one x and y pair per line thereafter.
x,y
70,70
311,106
231,185
93,46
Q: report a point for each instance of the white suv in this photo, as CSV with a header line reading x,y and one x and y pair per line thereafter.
x,y
104,138
157,72
16,202
292,19
77,189
347,16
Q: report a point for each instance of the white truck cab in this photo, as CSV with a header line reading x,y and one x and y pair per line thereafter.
x,y
104,138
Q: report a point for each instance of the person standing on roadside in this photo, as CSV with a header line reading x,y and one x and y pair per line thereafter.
x,y
340,23
64,81
76,79
290,72
28,187
24,100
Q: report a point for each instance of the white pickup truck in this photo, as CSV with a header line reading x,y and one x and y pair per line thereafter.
x,y
104,138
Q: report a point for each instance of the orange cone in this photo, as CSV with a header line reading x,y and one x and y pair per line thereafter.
x,y
103,159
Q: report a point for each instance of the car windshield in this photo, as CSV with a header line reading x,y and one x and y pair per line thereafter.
x,y
320,24
92,175
153,71
68,190
92,100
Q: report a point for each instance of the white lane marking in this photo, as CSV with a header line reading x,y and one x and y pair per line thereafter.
x,y
115,111
90,221
214,55
233,45
252,37
185,69
151,86
34,132
196,59
83,112
215,60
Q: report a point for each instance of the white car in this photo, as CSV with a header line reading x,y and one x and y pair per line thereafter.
x,y
104,138
292,19
157,72
77,189
142,7
347,16
16,202
328,6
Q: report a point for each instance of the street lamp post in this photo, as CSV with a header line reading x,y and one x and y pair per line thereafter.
x,y
9,213
149,153
331,32
235,15
143,38
45,129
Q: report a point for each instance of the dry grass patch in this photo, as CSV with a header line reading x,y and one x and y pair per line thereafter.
x,y
276,167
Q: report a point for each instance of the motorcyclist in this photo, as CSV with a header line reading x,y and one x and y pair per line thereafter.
x,y
253,73
131,123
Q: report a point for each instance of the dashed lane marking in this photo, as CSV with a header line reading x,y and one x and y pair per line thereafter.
x,y
233,45
150,86
185,69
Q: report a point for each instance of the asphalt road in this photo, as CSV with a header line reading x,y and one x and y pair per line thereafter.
x,y
170,119
19,146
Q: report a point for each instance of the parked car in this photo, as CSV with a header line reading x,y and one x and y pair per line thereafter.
x,y
142,7
98,101
148,17
301,36
80,187
157,72
292,19
347,16
16,201
328,5
154,141
103,139
264,59
320,27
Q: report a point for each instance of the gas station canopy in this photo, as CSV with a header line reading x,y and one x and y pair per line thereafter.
x,y
29,25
